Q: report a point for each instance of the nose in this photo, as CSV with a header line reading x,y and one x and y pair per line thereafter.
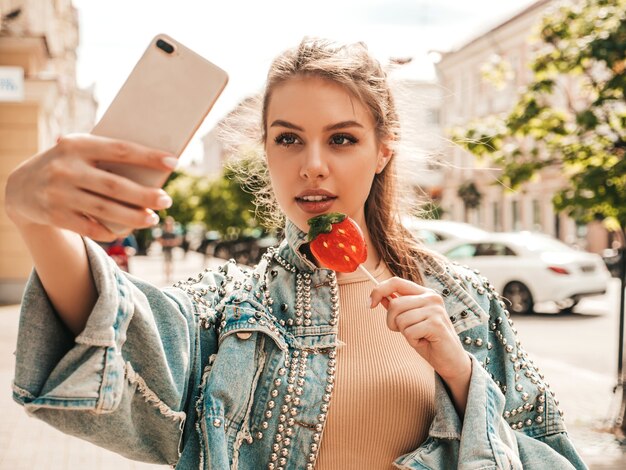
x,y
314,165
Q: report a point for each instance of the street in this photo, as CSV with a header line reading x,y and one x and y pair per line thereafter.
x,y
576,352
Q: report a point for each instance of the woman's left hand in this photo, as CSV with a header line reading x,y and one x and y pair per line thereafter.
x,y
419,314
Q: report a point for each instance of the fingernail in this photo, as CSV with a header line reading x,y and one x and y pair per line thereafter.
x,y
164,201
170,162
371,302
152,218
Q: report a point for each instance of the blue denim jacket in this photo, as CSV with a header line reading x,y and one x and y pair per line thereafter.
x,y
235,369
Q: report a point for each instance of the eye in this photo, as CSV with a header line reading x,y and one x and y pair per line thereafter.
x,y
343,139
286,139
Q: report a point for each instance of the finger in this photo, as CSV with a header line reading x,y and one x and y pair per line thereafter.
x,y
418,333
106,210
406,319
83,225
122,189
398,286
97,148
406,309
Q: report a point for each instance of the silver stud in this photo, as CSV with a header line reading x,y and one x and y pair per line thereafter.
x,y
217,422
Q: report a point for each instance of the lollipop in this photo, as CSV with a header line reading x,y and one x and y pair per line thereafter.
x,y
338,243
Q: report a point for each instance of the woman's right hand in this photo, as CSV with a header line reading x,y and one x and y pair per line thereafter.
x,y
63,187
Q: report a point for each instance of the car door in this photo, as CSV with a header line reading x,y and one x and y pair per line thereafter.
x,y
494,260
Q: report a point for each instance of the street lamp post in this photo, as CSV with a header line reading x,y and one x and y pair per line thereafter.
x,y
621,383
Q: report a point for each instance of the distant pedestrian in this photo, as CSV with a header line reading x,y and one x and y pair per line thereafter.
x,y
169,239
121,250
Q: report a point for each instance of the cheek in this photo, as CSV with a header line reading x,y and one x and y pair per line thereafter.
x,y
279,178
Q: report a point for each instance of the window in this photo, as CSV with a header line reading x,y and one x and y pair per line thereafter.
x,y
516,223
493,249
432,116
537,215
497,220
463,251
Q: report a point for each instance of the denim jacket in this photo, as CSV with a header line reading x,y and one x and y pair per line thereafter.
x,y
234,369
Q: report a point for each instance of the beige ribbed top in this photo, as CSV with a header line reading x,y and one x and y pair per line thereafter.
x,y
383,400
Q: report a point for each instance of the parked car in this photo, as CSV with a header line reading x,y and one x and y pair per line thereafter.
x,y
612,259
438,234
245,249
529,268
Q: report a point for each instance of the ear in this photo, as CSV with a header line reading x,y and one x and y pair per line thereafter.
x,y
384,155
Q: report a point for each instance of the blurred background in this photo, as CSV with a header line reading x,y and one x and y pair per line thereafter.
x,y
513,136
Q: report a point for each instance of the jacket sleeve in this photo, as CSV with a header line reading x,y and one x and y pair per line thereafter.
x,y
126,382
507,379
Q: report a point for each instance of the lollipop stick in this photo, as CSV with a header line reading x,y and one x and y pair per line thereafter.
x,y
372,278
375,281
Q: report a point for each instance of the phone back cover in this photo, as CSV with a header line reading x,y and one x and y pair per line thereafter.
x,y
162,104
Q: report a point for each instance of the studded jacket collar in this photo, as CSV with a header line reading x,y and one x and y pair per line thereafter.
x,y
235,369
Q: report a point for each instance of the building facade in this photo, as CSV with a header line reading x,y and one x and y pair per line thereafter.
x,y
39,39
418,98
502,55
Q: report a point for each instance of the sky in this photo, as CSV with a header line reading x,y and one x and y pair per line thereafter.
x,y
243,36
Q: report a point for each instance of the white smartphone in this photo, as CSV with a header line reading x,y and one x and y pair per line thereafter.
x,y
161,105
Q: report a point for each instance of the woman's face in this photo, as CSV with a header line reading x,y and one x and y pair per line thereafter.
x,y
322,150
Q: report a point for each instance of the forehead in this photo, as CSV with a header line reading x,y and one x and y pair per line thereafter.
x,y
316,101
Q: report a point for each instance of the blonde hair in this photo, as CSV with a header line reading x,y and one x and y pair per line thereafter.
x,y
353,67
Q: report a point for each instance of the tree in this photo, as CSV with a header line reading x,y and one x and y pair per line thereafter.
x,y
469,194
571,115
220,203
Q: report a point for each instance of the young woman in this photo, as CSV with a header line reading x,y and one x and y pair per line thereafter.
x,y
290,365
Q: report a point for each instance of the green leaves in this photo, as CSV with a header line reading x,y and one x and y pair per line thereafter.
x,y
571,114
220,203
323,223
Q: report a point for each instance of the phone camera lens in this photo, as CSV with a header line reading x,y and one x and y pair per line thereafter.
x,y
165,46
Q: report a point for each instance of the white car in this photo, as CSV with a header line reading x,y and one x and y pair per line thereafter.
x,y
530,268
438,234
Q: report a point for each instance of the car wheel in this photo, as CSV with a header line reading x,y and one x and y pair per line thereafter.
x,y
567,307
520,297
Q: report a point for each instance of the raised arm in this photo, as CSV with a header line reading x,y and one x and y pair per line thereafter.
x,y
56,196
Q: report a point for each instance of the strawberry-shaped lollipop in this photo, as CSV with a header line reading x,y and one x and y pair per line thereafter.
x,y
337,242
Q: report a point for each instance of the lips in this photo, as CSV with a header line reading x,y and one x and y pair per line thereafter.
x,y
315,201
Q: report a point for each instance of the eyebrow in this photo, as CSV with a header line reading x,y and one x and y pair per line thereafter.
x,y
332,127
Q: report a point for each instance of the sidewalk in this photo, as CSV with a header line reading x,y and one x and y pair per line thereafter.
x,y
27,443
